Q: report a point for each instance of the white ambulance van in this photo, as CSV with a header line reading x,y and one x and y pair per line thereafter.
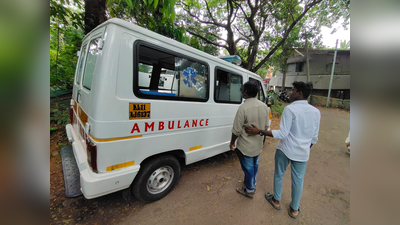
x,y
143,105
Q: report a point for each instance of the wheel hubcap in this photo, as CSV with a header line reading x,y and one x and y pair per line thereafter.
x,y
160,179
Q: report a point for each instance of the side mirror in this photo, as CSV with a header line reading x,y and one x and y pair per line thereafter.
x,y
270,101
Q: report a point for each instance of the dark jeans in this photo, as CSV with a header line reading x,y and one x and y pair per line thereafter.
x,y
250,169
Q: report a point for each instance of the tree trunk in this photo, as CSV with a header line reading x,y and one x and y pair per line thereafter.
x,y
58,46
95,14
308,65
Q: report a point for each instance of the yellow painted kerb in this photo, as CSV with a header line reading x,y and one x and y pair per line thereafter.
x,y
195,147
114,139
121,165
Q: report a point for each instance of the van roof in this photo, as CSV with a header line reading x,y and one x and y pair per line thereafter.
x,y
175,43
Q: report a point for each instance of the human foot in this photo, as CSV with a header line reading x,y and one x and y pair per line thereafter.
x,y
294,213
243,191
270,198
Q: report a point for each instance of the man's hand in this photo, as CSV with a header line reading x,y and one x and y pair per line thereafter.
x,y
253,130
232,146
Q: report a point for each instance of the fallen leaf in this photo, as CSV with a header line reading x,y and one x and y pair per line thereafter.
x,y
208,188
239,181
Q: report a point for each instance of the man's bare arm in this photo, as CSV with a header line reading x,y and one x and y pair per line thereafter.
x,y
232,144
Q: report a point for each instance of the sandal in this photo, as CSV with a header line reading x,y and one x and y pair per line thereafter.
x,y
269,198
290,212
243,191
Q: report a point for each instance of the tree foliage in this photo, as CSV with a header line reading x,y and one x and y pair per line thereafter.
x,y
66,34
67,28
63,11
261,32
155,15
344,45
257,29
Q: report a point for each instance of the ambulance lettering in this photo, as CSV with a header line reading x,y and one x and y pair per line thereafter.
x,y
161,125
171,125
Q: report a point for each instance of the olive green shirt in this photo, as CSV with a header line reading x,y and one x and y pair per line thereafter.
x,y
252,111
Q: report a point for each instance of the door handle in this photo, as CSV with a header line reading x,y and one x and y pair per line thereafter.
x,y
78,95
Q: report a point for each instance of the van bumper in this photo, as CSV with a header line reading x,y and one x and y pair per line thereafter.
x,y
92,184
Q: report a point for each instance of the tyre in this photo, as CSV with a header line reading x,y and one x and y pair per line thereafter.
x,y
156,178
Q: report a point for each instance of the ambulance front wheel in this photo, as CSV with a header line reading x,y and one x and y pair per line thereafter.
x,y
156,178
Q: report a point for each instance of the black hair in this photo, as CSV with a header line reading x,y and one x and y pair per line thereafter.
x,y
304,87
252,88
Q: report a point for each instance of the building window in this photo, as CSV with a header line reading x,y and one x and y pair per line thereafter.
x,y
299,67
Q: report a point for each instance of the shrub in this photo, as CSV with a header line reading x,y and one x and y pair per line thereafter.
x,y
276,108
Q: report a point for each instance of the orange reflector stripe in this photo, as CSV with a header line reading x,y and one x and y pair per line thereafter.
x,y
119,166
75,106
270,116
114,139
82,115
195,147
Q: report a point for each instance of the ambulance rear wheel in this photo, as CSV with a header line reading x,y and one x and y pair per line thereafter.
x,y
156,178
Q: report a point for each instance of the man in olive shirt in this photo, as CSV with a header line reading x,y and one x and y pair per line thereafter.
x,y
248,148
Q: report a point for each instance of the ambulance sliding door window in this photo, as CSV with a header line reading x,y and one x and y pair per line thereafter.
x,y
227,87
260,96
90,65
80,64
166,75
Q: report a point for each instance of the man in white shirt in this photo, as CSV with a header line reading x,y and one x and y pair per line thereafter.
x,y
248,148
298,131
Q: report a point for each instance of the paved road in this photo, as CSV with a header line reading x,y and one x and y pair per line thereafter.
x,y
206,191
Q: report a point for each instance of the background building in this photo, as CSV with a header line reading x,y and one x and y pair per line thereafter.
x,y
320,64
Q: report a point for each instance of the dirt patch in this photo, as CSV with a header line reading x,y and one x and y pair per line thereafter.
x,y
206,192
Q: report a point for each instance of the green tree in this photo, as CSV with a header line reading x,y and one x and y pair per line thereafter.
x,y
155,15
66,34
63,11
199,43
257,27
344,45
